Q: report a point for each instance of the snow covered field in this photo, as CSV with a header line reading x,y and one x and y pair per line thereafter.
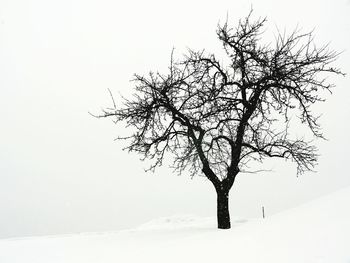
x,y
318,231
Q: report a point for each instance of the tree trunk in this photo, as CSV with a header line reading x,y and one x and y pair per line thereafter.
x,y
223,214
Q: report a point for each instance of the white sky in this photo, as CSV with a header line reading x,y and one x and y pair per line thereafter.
x,y
61,171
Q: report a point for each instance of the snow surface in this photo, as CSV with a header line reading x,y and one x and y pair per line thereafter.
x,y
318,231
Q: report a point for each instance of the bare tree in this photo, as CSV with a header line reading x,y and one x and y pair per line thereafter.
x,y
214,118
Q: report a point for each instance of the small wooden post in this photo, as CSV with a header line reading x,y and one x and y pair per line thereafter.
x,y
263,212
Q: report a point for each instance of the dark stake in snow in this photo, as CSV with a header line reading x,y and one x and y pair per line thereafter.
x,y
263,212
213,116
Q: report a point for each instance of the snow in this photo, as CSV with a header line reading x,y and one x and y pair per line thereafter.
x,y
318,231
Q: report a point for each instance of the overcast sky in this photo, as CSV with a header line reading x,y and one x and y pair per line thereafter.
x,y
61,170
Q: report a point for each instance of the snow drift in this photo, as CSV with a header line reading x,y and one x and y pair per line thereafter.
x,y
318,231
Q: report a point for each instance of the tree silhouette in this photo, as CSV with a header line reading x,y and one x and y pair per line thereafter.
x,y
214,117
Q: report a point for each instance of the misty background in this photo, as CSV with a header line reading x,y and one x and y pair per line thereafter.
x,y
61,170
